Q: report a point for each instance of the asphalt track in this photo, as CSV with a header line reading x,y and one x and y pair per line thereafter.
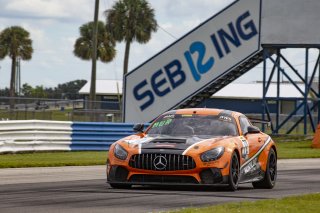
x,y
83,189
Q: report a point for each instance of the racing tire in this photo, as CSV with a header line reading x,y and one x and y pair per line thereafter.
x,y
270,177
234,172
120,186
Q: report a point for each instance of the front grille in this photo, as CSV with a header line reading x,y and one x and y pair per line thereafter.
x,y
162,162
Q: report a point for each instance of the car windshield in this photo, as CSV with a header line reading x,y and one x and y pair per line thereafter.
x,y
204,126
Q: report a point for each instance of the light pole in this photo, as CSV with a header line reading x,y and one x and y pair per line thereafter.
x,y
92,95
0,84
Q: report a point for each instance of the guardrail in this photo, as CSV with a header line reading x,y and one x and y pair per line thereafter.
x,y
97,135
39,135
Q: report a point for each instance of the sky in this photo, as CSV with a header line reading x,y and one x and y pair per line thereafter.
x,y
54,27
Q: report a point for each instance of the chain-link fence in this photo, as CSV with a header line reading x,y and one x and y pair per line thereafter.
x,y
59,109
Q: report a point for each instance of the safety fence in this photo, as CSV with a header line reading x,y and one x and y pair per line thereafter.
x,y
40,135
20,108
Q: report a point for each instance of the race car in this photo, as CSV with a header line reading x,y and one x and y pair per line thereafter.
x,y
196,146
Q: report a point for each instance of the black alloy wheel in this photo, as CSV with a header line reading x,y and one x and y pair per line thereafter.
x,y
234,172
272,167
270,178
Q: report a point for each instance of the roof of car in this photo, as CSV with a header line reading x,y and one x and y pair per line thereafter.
x,y
205,111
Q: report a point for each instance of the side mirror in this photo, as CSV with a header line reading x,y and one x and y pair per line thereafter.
x,y
138,128
253,130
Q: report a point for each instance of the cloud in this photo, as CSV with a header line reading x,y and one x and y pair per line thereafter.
x,y
38,35
67,10
173,25
201,9
54,26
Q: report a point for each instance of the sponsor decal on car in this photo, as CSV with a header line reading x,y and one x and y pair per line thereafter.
x,y
225,118
245,148
140,140
161,123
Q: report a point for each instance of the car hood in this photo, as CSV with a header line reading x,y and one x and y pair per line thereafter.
x,y
168,144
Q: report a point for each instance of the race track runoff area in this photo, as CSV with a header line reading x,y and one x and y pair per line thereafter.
x,y
84,189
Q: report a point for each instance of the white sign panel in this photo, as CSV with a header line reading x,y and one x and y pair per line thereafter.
x,y
193,62
292,22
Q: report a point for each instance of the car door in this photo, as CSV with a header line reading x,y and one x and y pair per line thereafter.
x,y
255,140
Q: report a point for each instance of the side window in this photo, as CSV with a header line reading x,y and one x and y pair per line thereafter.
x,y
244,123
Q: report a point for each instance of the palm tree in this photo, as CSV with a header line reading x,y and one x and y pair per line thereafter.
x,y
131,20
15,43
84,44
84,49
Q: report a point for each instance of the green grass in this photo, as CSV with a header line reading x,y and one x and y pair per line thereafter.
x,y
286,149
47,159
304,203
296,149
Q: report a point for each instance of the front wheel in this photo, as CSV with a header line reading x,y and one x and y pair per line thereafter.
x,y
270,177
234,172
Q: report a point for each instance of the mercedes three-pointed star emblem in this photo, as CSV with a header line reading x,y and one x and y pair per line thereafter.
x,y
160,162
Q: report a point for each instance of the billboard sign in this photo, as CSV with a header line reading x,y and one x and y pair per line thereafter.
x,y
193,62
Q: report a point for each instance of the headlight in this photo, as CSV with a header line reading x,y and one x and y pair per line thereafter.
x,y
213,154
120,152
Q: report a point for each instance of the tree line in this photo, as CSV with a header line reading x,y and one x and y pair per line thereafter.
x,y
127,21
68,90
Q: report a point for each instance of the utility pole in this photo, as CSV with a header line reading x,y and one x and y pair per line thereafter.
x,y
18,76
0,87
92,96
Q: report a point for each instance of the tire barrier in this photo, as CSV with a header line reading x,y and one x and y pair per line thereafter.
x,y
39,135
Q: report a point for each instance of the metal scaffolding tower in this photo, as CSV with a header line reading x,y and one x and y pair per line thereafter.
x,y
309,101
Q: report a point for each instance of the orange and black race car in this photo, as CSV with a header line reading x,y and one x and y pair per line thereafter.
x,y
194,146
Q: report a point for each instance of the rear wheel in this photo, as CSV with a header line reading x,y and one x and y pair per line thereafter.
x,y
120,186
234,172
270,177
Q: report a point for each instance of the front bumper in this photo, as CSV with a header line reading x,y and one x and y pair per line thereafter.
x,y
209,176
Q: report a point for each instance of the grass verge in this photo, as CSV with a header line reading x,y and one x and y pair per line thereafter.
x,y
286,150
304,203
47,159
296,149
